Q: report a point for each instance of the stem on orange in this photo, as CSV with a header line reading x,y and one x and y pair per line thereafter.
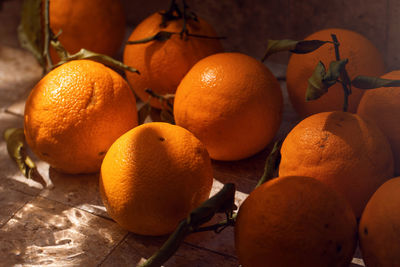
x,y
47,37
169,247
223,201
345,85
174,13
272,163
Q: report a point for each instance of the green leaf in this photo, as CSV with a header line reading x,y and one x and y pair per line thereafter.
x,y
160,36
298,47
15,140
316,87
322,79
275,46
334,72
104,59
163,36
30,32
307,46
367,82
223,201
272,163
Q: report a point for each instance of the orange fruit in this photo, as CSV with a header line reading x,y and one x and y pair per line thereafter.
x,y
74,114
295,221
162,64
364,59
153,176
343,151
382,106
97,25
232,103
379,226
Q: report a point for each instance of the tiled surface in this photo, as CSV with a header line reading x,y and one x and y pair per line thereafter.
x,y
59,220
11,201
80,191
19,72
46,232
134,248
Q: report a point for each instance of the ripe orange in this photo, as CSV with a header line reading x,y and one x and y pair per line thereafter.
x,y
382,106
153,176
232,103
364,59
75,113
343,151
163,64
295,221
379,226
97,25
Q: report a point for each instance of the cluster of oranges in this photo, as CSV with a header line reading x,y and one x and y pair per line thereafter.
x,y
82,118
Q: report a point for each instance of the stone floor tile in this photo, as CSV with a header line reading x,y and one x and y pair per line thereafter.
x,y
80,191
19,72
46,232
222,242
17,107
10,202
134,248
9,121
11,177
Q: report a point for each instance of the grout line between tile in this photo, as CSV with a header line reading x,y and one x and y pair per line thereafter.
x,y
15,212
209,250
26,193
114,248
35,196
7,111
72,206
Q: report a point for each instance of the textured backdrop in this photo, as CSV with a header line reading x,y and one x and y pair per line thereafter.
x,y
248,24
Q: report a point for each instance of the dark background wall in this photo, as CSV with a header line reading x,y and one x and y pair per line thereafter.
x,y
248,24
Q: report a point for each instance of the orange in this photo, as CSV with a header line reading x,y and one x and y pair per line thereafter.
x,y
364,59
295,221
342,150
153,176
74,114
382,106
232,103
162,64
97,25
379,226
